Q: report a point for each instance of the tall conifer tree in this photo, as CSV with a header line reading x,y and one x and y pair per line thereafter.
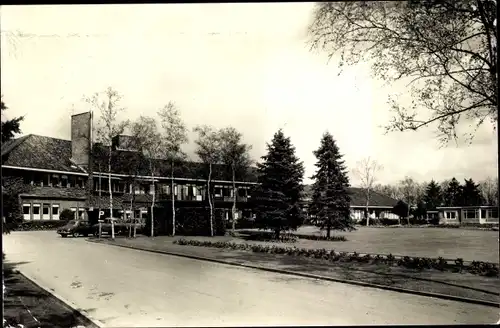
x,y
331,200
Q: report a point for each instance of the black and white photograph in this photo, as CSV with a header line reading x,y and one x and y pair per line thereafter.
x,y
250,164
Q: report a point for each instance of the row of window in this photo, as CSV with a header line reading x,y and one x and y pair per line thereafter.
x,y
472,214
69,181
43,211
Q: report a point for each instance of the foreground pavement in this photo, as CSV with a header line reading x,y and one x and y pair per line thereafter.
x,y
123,287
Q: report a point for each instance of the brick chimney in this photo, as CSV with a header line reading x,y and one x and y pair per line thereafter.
x,y
81,129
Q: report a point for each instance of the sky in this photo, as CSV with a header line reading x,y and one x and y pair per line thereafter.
x,y
243,65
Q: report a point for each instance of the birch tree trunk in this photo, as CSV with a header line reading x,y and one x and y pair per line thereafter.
x,y
153,200
210,200
134,220
110,195
173,196
233,210
367,208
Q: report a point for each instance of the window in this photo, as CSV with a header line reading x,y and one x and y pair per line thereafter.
x,y
54,180
55,209
45,210
490,213
64,181
218,191
165,189
470,214
38,179
452,215
80,182
36,209
27,209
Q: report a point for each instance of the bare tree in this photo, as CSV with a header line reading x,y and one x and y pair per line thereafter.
x,y
138,143
410,191
446,51
174,135
152,148
389,190
489,190
209,151
234,154
366,171
108,105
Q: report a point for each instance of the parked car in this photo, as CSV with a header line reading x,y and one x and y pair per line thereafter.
x,y
121,227
76,228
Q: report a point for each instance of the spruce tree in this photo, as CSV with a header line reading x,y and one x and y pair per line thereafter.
x,y
330,199
471,194
280,187
453,193
433,196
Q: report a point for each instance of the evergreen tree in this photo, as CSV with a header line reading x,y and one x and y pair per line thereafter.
x,y
331,200
471,194
280,187
10,127
433,196
453,193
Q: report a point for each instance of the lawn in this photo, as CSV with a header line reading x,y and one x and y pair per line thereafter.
x,y
27,304
471,245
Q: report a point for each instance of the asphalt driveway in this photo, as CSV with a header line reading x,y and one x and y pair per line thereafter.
x,y
123,287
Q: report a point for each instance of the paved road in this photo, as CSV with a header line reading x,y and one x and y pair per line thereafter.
x,y
122,287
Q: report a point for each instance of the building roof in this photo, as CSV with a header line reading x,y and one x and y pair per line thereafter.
x,y
54,192
358,197
39,152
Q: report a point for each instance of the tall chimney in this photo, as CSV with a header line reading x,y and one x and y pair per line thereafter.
x,y
81,128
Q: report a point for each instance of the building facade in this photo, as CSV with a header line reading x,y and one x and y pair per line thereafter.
x,y
72,174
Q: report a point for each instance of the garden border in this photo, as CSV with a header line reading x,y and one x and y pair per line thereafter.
x,y
311,276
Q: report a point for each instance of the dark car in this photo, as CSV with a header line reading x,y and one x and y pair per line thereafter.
x,y
76,228
121,227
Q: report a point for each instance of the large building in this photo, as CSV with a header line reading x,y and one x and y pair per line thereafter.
x,y
70,174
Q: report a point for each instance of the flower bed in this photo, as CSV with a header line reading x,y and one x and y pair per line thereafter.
x,y
418,263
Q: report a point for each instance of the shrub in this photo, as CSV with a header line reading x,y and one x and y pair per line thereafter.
x,y
190,221
322,238
40,225
67,215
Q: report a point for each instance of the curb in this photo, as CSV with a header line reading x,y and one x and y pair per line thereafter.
x,y
66,302
313,276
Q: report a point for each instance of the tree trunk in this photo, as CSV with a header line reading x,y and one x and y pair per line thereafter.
x,y
233,210
153,200
110,195
367,208
133,212
173,196
328,231
210,200
100,196
130,224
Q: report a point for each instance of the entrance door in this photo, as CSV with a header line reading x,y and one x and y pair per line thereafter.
x,y
36,212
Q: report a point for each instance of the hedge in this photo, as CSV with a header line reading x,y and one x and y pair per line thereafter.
x,y
190,221
419,263
39,225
